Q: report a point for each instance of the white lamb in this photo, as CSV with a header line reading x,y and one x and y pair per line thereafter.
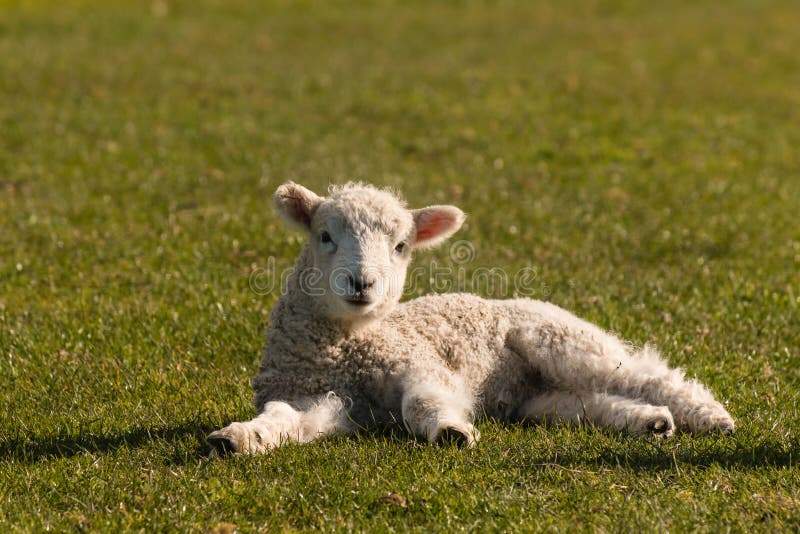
x,y
343,353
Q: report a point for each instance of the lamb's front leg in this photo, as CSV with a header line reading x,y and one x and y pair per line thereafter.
x,y
281,423
439,408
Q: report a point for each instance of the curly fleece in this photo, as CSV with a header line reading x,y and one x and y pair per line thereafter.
x,y
438,362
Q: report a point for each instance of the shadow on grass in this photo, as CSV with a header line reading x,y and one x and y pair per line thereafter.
x,y
764,454
178,445
185,444
743,449
37,448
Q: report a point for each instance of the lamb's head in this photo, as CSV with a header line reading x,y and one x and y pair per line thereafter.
x,y
360,243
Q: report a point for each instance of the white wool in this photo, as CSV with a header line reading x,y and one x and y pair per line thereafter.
x,y
342,352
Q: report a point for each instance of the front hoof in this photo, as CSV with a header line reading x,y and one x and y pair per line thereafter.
x,y
223,443
462,436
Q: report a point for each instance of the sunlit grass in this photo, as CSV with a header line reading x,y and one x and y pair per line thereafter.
x,y
641,158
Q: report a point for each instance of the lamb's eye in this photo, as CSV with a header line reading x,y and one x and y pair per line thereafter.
x,y
325,237
400,248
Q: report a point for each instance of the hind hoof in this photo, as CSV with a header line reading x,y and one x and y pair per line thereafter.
x,y
222,444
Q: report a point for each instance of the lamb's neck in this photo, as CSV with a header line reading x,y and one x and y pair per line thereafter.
x,y
298,306
295,291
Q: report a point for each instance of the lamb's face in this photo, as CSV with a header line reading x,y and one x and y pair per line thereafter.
x,y
361,240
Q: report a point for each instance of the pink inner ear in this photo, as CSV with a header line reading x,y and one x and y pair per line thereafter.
x,y
433,225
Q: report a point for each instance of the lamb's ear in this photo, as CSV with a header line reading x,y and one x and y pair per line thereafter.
x,y
434,224
296,204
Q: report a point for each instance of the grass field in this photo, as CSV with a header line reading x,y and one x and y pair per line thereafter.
x,y
641,156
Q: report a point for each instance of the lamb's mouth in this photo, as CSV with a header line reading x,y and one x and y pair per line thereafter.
x,y
360,302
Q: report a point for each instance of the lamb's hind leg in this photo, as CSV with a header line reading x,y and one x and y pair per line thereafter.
x,y
281,423
601,409
582,357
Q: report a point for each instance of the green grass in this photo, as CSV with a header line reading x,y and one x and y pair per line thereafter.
x,y
642,156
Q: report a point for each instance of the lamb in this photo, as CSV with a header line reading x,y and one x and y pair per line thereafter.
x,y
342,353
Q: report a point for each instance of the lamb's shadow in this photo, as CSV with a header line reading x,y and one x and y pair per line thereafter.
x,y
185,443
703,451
37,448
726,451
738,456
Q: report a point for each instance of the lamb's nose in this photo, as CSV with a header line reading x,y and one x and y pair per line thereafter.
x,y
359,284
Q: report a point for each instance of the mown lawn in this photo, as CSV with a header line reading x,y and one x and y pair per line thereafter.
x,y
642,157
